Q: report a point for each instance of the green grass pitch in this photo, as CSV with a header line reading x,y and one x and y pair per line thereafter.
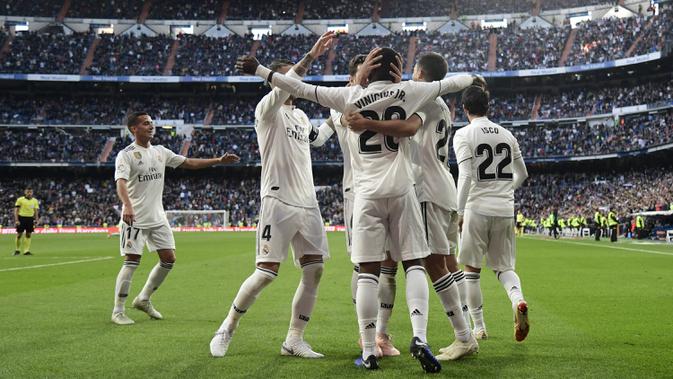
x,y
597,310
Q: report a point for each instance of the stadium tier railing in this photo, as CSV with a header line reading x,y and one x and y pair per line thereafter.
x,y
323,78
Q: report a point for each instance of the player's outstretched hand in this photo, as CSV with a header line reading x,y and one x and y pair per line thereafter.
x,y
128,216
228,158
370,63
479,80
396,70
247,65
356,122
324,43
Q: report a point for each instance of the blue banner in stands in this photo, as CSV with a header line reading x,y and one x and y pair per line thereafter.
x,y
317,78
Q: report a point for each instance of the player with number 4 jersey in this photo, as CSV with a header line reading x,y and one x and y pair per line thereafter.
x,y
490,169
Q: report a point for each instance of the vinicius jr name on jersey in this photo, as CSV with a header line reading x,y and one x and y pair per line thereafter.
x,y
153,175
363,102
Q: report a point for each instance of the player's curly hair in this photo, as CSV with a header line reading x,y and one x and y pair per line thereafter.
x,y
389,56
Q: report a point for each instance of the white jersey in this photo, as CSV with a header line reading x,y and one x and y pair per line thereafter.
x,y
380,164
283,138
144,170
491,149
430,156
325,132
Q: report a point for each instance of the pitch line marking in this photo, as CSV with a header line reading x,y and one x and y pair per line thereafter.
x,y
55,264
605,247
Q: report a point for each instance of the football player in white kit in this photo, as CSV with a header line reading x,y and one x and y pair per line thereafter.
x,y
289,213
387,283
385,203
490,168
139,173
436,190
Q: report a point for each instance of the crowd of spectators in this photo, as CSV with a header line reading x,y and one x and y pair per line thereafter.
x,y
466,50
91,201
128,55
38,53
106,9
337,9
631,133
582,194
85,109
565,4
53,144
543,140
185,10
260,10
200,55
530,48
44,8
477,7
419,8
584,102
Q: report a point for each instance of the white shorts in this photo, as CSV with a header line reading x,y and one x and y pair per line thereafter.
x,y
132,240
490,236
348,220
281,224
398,218
441,228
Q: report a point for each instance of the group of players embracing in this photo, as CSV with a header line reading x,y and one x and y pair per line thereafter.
x,y
401,203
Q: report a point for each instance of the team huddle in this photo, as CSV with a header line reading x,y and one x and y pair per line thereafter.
x,y
401,203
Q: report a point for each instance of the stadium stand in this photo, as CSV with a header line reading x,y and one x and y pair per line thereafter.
x,y
259,10
107,9
337,9
128,55
45,8
185,10
205,56
34,53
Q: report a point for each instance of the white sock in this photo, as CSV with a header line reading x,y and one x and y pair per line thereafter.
x,y
459,279
123,284
474,299
366,303
354,282
387,288
246,296
448,295
304,299
417,301
512,284
157,276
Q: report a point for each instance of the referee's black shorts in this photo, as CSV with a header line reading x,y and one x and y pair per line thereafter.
x,y
26,224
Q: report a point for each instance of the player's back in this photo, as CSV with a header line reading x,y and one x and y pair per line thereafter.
x,y
491,149
430,156
381,163
283,139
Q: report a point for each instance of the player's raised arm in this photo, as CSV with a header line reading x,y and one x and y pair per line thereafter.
x,y
331,97
270,103
394,128
464,158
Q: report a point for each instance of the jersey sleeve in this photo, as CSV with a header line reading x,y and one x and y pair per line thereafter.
x,y
462,148
122,167
331,97
18,203
320,135
420,93
173,160
37,204
271,103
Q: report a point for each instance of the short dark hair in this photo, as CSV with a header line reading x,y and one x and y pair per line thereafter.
x,y
475,100
354,63
278,63
383,72
28,189
132,118
433,65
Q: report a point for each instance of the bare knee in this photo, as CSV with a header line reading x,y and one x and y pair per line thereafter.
x,y
373,268
435,265
412,263
272,266
132,257
167,256
472,269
